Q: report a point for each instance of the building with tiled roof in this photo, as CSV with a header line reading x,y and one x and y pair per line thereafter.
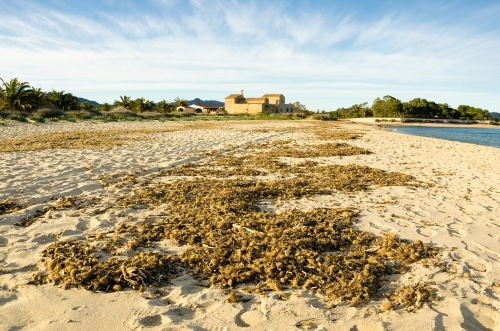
x,y
268,103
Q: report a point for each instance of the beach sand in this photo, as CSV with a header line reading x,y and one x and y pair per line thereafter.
x,y
459,213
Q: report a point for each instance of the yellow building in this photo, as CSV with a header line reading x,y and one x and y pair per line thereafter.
x,y
269,103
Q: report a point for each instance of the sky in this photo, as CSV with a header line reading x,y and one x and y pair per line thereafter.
x,y
324,54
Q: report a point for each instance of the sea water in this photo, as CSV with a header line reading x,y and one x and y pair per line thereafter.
x,y
478,136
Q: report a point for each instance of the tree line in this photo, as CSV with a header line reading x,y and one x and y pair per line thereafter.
x,y
389,106
16,96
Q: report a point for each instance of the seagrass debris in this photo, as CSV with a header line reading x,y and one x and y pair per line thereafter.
x,y
88,138
412,297
8,207
62,203
74,264
234,242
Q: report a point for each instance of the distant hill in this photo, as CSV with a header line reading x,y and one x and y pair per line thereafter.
x,y
198,101
494,114
80,100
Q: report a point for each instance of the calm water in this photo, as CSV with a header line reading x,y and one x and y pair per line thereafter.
x,y
478,136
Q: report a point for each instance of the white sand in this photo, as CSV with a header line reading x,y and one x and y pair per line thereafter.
x,y
460,214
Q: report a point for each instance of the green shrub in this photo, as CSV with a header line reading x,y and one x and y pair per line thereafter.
x,y
323,117
38,119
19,118
3,115
53,119
48,112
68,118
2,124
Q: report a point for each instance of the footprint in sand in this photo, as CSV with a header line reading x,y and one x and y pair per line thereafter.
x,y
250,318
148,321
144,319
457,231
427,232
479,317
477,265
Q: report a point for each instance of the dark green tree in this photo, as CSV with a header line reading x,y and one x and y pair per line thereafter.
x,y
180,102
17,96
141,105
105,107
164,107
62,100
124,102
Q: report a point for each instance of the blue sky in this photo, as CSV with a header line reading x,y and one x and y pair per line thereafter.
x,y
326,54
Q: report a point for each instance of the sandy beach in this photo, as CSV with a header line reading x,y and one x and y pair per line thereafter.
x,y
95,184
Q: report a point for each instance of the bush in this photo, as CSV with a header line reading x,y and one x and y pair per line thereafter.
x,y
181,114
2,124
48,112
38,119
53,119
67,118
19,118
323,117
84,114
151,115
3,115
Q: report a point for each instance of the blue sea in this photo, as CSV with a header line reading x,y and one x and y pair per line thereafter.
x,y
478,136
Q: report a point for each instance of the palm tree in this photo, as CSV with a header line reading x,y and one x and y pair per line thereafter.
x,y
63,101
39,97
124,102
85,105
163,107
16,96
106,107
180,102
142,105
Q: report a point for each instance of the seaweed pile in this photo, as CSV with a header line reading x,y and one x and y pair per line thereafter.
x,y
234,243
9,207
75,264
63,203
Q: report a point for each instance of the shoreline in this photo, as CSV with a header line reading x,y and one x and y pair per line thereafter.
x,y
443,125
458,213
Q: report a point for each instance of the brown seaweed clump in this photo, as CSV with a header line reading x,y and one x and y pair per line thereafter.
x,y
8,207
78,139
73,264
412,297
317,150
62,203
234,243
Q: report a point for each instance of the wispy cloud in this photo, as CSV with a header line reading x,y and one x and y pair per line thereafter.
x,y
213,48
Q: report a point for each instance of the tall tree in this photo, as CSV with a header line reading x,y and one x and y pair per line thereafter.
x,y
106,107
85,106
142,105
164,107
62,100
124,102
180,102
17,96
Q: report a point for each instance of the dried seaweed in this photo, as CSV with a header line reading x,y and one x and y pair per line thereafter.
x,y
62,203
8,207
232,241
412,297
73,264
